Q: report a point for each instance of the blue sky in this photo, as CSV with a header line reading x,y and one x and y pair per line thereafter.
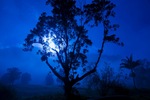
x,y
17,17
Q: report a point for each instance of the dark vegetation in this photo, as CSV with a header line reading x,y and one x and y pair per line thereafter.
x,y
105,85
130,64
11,76
68,28
108,82
7,93
25,78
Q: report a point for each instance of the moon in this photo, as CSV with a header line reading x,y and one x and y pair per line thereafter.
x,y
52,45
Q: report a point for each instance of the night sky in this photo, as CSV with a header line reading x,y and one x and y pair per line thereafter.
x,y
17,17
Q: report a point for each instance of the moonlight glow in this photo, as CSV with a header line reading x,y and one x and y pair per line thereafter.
x,y
51,45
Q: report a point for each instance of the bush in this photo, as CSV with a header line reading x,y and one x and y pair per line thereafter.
x,y
119,89
108,82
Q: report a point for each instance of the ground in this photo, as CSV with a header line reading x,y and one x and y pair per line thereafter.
x,y
39,92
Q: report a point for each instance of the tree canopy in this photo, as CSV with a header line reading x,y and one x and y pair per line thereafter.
x,y
11,76
25,78
67,29
130,64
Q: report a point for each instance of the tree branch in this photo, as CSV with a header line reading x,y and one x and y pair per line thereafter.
x,y
96,64
102,46
74,47
54,71
100,54
66,36
59,58
83,76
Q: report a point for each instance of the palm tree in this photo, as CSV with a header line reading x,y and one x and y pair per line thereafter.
x,y
130,64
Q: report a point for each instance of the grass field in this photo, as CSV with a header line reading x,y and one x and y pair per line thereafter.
x,y
39,92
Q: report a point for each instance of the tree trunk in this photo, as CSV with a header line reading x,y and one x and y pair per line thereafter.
x,y
134,83
68,90
133,78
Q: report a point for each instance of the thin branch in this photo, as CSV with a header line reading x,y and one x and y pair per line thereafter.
x,y
83,76
96,64
59,58
74,47
54,71
66,36
100,54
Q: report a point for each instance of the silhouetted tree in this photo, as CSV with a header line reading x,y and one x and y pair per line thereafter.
x,y
130,64
108,80
25,78
11,75
142,74
49,79
60,82
67,28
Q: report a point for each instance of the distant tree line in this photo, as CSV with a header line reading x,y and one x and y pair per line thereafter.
x,y
13,74
109,82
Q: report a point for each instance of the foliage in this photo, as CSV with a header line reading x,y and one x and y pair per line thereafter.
x,y
25,78
11,76
130,64
108,82
49,79
142,74
67,28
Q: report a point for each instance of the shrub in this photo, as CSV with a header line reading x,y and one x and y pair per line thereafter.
x,y
108,82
